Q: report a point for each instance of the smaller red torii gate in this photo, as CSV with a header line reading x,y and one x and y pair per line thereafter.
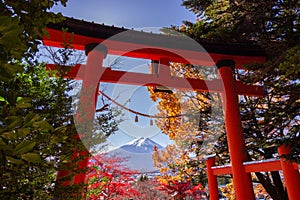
x,y
98,40
290,172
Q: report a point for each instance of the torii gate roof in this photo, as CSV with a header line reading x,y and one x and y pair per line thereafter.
x,y
151,46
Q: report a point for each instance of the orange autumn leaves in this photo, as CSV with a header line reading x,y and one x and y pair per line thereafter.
x,y
184,117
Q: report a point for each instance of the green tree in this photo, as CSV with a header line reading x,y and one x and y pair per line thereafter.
x,y
22,24
43,128
37,132
34,116
23,161
273,120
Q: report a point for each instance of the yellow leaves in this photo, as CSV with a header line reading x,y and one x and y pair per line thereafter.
x,y
202,100
184,156
166,179
189,171
162,180
164,170
180,160
164,157
172,135
228,191
259,189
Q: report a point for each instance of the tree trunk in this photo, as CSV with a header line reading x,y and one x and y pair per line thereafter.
x,y
281,191
276,191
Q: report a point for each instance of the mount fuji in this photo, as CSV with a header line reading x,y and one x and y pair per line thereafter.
x,y
138,154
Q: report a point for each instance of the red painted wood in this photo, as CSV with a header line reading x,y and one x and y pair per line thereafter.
x,y
57,38
86,110
263,166
236,144
256,166
222,170
132,78
291,175
212,179
87,103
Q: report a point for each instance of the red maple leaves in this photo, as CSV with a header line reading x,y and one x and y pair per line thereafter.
x,y
108,178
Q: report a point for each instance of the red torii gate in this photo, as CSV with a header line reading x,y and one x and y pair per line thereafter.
x,y
165,49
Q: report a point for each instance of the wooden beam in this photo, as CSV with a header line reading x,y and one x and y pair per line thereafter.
x,y
133,78
222,170
262,166
199,56
253,166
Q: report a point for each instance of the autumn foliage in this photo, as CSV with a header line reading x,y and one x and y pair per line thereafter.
x,y
190,119
109,178
181,190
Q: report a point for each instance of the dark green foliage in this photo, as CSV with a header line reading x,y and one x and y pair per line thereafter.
x,y
22,24
31,134
37,131
262,21
26,137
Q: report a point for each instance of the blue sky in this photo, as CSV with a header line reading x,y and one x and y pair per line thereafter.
x,y
128,13
136,14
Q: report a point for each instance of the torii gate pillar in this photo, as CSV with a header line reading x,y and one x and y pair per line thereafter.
x,y
88,99
86,112
235,138
290,173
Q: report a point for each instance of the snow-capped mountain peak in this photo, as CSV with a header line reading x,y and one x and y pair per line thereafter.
x,y
142,142
140,145
138,153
